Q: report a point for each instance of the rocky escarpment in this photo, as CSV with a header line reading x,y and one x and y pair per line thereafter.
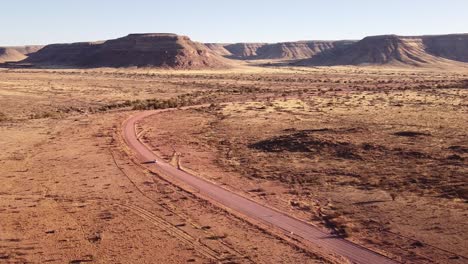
x,y
274,51
396,50
297,50
244,50
140,50
452,47
373,50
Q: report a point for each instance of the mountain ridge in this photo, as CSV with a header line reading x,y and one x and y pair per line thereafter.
x,y
134,50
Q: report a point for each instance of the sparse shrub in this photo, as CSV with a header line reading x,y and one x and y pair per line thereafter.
x,y
3,117
217,237
49,114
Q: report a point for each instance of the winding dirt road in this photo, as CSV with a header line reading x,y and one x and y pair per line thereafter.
x,y
271,217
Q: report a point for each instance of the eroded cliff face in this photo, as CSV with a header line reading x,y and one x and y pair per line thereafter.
x,y
296,50
219,48
274,51
395,50
244,50
452,47
140,50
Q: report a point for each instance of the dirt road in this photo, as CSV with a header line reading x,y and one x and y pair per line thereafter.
x,y
271,217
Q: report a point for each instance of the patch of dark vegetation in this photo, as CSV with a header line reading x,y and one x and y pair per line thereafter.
x,y
3,117
308,130
298,142
455,191
337,229
410,134
455,157
217,237
151,104
188,99
410,154
346,151
85,259
326,130
417,244
304,142
49,114
360,164
459,149
372,147
257,190
463,84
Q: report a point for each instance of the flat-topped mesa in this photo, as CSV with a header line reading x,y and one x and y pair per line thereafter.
x,y
381,50
149,42
396,50
140,50
154,35
274,51
173,51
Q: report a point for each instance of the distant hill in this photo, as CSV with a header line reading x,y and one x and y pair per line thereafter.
x,y
219,49
396,50
140,50
244,50
275,51
452,47
26,50
179,52
10,55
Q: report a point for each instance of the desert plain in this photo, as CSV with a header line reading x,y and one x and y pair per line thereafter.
x,y
374,154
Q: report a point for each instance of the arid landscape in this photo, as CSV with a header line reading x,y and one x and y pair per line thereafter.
x,y
363,140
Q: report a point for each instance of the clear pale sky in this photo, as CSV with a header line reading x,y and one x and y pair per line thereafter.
x,y
60,21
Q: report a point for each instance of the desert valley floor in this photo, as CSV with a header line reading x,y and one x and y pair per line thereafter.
x,y
377,155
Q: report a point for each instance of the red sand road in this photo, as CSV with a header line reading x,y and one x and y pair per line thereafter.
x,y
323,240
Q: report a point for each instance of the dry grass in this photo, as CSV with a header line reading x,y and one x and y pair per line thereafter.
x,y
368,152
377,154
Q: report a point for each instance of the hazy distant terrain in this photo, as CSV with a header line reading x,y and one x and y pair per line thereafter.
x,y
179,52
375,50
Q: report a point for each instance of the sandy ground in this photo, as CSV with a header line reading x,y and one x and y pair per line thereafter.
x,y
70,193
378,184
